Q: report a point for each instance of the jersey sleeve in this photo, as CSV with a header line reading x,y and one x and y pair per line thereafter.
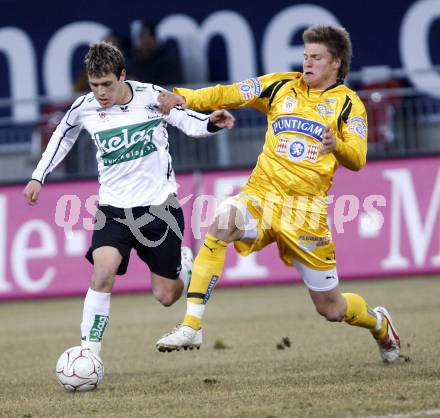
x,y
351,151
188,121
254,92
61,141
191,123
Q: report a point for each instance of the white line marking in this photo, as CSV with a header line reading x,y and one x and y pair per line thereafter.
x,y
427,413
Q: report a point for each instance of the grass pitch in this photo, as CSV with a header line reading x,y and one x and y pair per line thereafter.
x,y
245,367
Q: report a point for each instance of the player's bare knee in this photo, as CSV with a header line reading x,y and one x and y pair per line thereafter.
x,y
334,315
167,300
102,279
330,311
321,309
165,297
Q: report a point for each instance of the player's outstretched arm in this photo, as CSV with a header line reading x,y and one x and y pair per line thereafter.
x,y
222,119
32,191
168,100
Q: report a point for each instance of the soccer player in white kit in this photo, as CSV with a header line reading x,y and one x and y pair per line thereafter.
x,y
138,207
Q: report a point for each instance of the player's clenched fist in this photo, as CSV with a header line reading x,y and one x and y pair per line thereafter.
x,y
328,141
31,192
222,119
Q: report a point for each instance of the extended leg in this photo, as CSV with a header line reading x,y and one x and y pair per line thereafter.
x,y
207,270
97,302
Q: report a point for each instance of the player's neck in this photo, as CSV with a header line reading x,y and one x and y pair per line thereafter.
x,y
126,94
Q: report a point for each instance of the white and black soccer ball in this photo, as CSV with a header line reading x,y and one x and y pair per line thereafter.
x,y
79,369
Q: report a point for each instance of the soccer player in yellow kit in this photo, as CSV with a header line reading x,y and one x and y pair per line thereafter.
x,y
315,123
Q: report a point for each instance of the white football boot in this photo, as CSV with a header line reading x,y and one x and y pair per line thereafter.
x,y
389,345
181,336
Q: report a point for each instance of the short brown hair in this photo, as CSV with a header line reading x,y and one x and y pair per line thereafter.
x,y
337,40
104,58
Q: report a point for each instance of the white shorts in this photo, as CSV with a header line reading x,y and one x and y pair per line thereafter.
x,y
317,280
250,227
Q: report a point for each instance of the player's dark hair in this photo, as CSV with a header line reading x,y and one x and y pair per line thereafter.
x,y
337,40
104,58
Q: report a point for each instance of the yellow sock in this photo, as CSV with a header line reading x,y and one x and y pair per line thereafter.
x,y
192,321
207,269
359,313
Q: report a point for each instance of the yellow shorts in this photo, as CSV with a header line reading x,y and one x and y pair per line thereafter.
x,y
298,227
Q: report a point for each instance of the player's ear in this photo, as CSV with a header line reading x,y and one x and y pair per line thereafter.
x,y
123,75
337,62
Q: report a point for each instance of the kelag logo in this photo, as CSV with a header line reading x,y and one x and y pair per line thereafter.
x,y
126,143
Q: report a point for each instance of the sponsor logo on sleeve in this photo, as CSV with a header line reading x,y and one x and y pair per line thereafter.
x,y
250,88
153,111
257,86
246,91
358,126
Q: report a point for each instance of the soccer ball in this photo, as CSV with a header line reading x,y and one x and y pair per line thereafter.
x,y
79,369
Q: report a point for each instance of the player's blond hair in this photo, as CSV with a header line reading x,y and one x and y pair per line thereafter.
x,y
104,58
337,40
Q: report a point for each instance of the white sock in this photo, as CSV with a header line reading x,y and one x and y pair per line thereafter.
x,y
95,318
195,309
185,276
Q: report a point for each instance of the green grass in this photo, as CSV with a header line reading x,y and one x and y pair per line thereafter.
x,y
330,370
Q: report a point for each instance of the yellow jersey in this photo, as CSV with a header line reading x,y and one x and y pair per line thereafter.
x,y
290,163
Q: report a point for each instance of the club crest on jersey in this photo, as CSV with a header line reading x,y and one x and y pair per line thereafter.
x,y
246,91
297,149
102,115
323,110
124,108
250,88
289,104
295,124
358,126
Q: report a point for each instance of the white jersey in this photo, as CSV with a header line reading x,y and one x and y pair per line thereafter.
x,y
134,164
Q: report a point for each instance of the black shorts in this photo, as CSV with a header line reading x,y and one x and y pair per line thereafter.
x,y
155,232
